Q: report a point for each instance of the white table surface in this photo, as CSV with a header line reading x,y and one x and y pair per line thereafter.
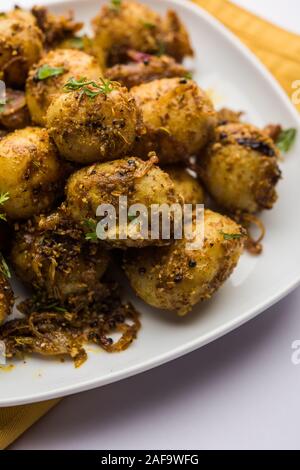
x,y
239,392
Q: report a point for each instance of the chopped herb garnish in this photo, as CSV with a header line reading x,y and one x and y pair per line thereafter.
x,y
188,76
231,236
286,139
52,306
115,5
76,43
2,104
161,49
4,269
3,198
92,226
46,71
131,217
148,25
89,87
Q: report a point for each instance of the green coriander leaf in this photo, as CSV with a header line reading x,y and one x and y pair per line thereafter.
x,y
188,76
232,236
60,309
92,226
161,49
89,88
2,104
286,139
76,43
46,71
4,269
148,25
3,198
115,5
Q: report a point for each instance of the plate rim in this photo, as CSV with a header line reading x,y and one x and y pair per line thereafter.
x,y
186,348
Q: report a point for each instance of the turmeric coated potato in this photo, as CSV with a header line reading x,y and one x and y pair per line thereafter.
x,y
178,116
186,185
131,25
144,68
6,297
47,79
18,13
142,183
175,278
14,114
56,28
52,256
240,169
94,123
30,172
21,46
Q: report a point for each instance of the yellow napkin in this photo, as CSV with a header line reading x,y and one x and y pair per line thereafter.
x,y
279,50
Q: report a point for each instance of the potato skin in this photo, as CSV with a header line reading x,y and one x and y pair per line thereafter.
x,y
40,93
52,256
88,130
21,46
240,169
6,298
142,183
174,278
186,185
178,116
136,26
145,68
30,171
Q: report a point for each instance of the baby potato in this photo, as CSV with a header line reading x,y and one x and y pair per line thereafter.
x,y
132,25
186,185
6,297
178,116
175,278
21,46
145,68
56,28
142,183
15,114
94,123
18,13
240,169
52,256
30,172
62,64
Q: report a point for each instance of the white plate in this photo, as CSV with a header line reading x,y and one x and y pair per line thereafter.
x,y
239,81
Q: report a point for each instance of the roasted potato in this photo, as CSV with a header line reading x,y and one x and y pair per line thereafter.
x,y
30,172
51,255
130,25
142,183
56,28
240,169
94,123
178,116
186,185
175,278
144,68
18,13
47,78
6,296
21,46
14,114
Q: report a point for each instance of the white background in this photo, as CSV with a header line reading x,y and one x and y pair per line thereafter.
x,y
240,392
